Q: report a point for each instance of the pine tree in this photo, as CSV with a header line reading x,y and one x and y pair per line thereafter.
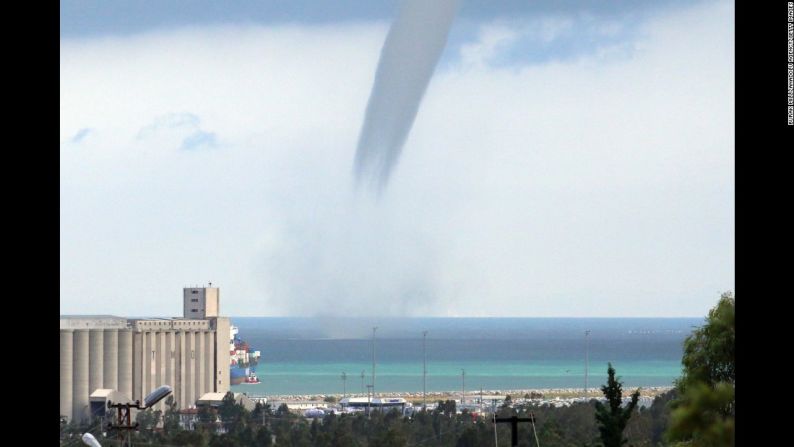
x,y
612,419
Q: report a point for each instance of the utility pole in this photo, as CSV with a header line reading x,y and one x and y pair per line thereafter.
x,y
373,360
513,421
362,381
586,359
344,384
424,370
462,386
123,424
369,401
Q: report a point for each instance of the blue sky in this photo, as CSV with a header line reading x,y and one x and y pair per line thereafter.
x,y
568,159
98,17
95,19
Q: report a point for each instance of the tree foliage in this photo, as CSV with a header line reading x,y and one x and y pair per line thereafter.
x,y
612,418
569,426
699,416
171,416
704,413
710,351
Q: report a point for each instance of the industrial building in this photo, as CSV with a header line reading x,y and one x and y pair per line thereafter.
x,y
130,357
378,403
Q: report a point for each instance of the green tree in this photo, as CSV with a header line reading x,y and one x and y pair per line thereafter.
x,y
552,434
391,437
446,407
710,351
261,414
171,416
343,435
189,438
233,415
264,437
282,411
206,418
704,412
699,416
612,418
659,413
148,419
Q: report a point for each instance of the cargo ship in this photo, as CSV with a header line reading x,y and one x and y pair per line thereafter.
x,y
244,376
241,359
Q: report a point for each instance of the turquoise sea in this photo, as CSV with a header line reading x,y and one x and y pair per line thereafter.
x,y
309,355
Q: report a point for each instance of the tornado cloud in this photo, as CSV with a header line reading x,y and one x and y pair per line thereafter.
x,y
410,54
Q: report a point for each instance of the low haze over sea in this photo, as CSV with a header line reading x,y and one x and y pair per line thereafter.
x,y
309,355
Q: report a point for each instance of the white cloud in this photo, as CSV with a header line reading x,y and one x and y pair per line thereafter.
x,y
492,38
600,185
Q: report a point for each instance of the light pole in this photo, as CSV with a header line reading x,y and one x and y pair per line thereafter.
x,y
373,360
362,381
344,384
369,401
424,370
124,425
463,386
586,359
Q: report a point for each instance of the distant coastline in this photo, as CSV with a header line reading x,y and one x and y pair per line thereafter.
x,y
413,396
306,357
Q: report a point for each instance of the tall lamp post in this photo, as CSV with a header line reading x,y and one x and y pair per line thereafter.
x,y
586,359
462,386
362,381
124,425
344,384
369,401
373,360
424,370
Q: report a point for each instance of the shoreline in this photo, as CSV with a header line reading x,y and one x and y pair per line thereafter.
x,y
412,396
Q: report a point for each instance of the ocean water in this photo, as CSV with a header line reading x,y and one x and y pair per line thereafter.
x,y
309,355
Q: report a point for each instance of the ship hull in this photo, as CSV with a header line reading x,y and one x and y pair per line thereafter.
x,y
238,375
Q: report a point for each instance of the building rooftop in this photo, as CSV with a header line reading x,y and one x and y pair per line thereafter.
x,y
212,397
104,395
374,401
135,323
101,392
89,317
215,399
92,322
